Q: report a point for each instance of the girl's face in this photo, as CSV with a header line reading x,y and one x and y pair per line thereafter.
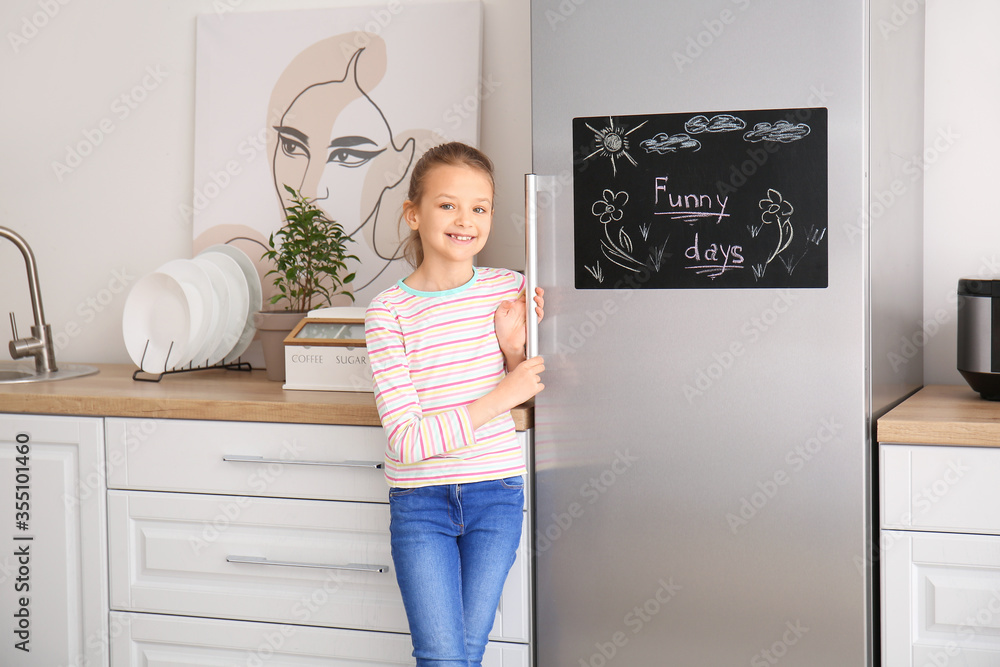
x,y
454,214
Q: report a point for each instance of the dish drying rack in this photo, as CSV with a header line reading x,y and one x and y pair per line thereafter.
x,y
142,375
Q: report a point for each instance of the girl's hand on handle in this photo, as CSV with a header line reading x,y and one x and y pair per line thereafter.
x,y
524,381
539,303
511,327
510,322
517,386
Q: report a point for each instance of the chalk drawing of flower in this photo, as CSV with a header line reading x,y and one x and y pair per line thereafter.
x,y
609,208
776,210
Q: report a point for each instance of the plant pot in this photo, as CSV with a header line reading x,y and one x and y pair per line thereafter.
x,y
273,326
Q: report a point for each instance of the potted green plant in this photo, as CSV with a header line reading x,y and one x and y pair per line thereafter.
x,y
309,255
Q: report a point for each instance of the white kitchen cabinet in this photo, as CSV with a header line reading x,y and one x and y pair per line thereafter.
x,y
194,554
287,540
940,555
326,462
280,460
942,599
941,488
157,640
53,571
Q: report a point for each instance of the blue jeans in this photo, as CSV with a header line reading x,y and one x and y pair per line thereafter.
x,y
452,546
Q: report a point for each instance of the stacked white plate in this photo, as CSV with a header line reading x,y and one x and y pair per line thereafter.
x,y
193,313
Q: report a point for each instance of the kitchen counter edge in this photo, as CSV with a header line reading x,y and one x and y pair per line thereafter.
x,y
942,415
218,394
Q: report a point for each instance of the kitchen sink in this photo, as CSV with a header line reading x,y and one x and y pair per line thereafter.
x,y
11,373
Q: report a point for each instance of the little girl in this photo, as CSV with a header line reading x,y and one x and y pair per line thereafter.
x,y
446,347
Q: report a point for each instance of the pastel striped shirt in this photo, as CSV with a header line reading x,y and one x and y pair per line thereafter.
x,y
431,354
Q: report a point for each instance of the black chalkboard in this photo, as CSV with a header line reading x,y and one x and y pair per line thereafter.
x,y
732,199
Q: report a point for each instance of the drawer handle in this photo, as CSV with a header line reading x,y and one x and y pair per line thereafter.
x,y
354,567
339,464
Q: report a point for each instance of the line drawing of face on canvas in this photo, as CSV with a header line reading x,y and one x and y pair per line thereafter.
x,y
334,144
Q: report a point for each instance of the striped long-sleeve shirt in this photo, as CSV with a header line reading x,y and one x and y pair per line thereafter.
x,y
431,354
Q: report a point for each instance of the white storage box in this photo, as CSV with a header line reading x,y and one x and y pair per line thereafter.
x,y
329,354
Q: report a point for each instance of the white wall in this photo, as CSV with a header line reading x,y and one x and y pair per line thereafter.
x,y
114,217
961,145
118,77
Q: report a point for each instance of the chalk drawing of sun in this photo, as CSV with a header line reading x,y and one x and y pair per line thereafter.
x,y
612,142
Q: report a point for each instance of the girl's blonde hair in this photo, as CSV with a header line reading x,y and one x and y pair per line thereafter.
x,y
454,154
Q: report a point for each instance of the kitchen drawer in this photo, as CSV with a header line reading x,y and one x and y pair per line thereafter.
x,y
940,488
154,640
297,460
174,553
940,599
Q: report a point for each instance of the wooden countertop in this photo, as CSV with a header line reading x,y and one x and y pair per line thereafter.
x,y
943,415
216,394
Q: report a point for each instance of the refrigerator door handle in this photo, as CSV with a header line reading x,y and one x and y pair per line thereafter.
x,y
531,259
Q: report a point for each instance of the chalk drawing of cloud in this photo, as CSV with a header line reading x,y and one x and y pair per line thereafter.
x,y
782,132
720,123
664,143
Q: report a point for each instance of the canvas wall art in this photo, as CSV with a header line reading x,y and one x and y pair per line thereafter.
x,y
337,103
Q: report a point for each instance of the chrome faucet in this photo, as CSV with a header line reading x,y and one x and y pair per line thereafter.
x,y
39,345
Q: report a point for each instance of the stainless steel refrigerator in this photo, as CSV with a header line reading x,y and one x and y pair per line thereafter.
x,y
704,482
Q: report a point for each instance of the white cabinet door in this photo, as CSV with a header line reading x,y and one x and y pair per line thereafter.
x,y
249,459
940,599
154,640
501,654
53,568
939,488
195,554
513,615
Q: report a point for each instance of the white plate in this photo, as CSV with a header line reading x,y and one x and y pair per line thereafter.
x,y
198,288
254,288
237,303
221,305
156,322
